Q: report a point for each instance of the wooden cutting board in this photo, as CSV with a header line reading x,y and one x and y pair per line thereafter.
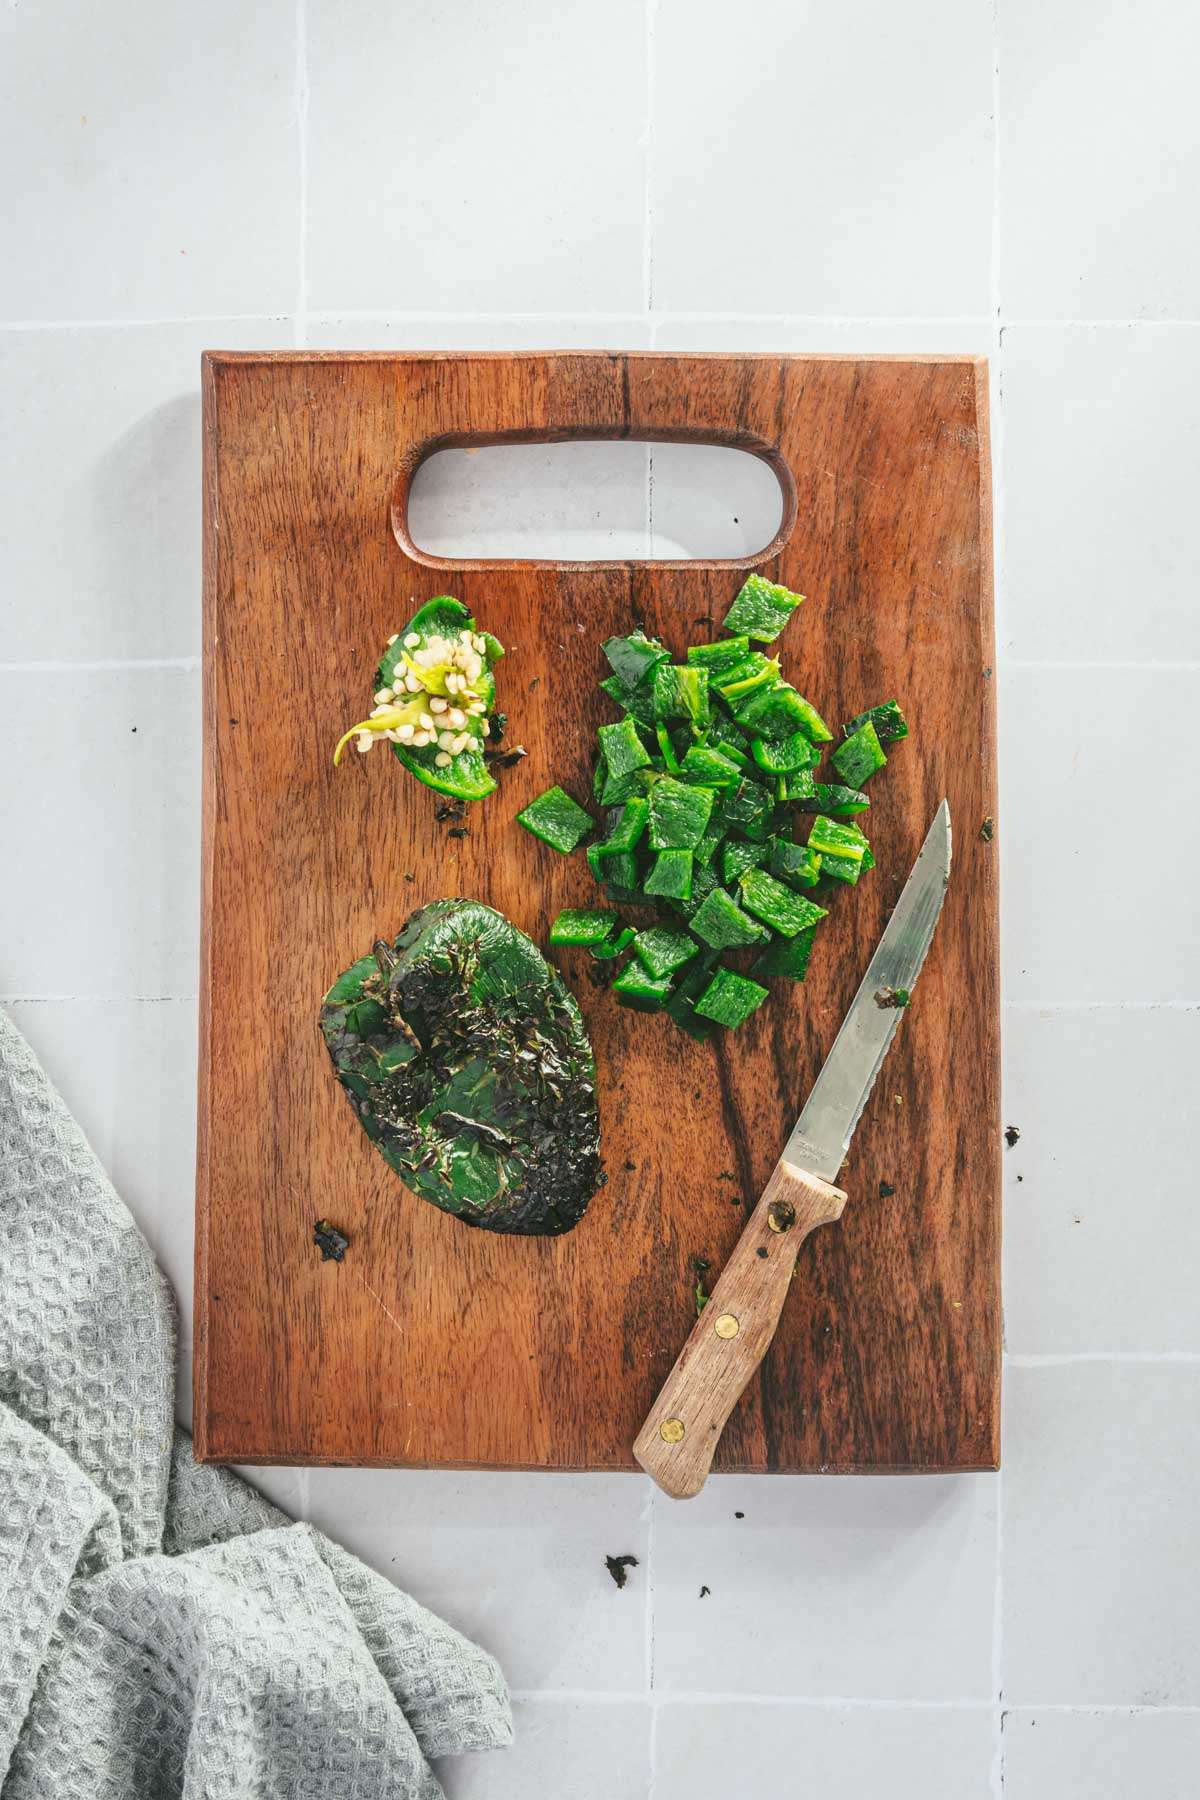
x,y
436,1344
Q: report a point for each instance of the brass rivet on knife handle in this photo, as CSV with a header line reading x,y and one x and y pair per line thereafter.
x,y
732,1335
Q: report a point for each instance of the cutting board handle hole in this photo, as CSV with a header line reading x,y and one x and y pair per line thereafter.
x,y
590,498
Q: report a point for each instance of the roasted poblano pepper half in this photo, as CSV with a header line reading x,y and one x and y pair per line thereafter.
x,y
468,1066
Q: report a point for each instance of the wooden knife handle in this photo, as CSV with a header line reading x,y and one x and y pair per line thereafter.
x,y
676,1444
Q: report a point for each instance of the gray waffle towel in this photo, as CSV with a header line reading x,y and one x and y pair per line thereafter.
x,y
163,1629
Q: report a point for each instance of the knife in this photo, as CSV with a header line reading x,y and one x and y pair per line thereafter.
x,y
732,1335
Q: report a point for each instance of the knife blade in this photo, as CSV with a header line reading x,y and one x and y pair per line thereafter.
x,y
733,1333
822,1133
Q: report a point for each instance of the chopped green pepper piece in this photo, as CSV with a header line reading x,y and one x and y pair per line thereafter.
x,y
888,720
746,808
620,877
787,956
672,876
801,785
729,739
729,999
681,692
613,947
738,856
797,864
716,658
623,749
844,851
703,884
779,711
827,835
761,609
746,677
667,748
706,849
858,758
618,788
635,987
723,925
678,814
831,797
785,755
637,702
628,829
681,1005
841,868
704,767
557,819
776,905
634,657
664,948
583,925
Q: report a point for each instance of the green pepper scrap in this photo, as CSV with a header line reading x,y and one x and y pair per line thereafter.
x,y
434,691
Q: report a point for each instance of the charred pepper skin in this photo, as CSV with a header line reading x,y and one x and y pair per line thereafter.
x,y
468,1066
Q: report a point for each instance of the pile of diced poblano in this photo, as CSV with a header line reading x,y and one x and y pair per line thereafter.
x,y
701,778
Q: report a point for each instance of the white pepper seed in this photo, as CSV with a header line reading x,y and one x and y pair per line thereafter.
x,y
411,641
363,742
443,759
486,728
437,704
393,638
384,695
404,733
426,722
456,717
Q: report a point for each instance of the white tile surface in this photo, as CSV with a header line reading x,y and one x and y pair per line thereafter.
x,y
100,815
1102,558
1098,156
839,337
658,174
877,1588
1097,1092
579,1750
1101,1519
1078,923
514,183
794,170
517,1561
1082,1756
152,160
434,331
710,1750
100,468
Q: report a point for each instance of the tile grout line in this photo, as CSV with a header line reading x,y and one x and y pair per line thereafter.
x,y
103,665
300,322
1072,1358
334,314
996,1781
651,8
98,999
1101,1005
814,1702
823,1703
652,1744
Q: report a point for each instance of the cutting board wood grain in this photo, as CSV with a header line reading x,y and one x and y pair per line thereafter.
x,y
435,1344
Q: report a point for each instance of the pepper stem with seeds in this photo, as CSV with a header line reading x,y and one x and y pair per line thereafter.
x,y
434,692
